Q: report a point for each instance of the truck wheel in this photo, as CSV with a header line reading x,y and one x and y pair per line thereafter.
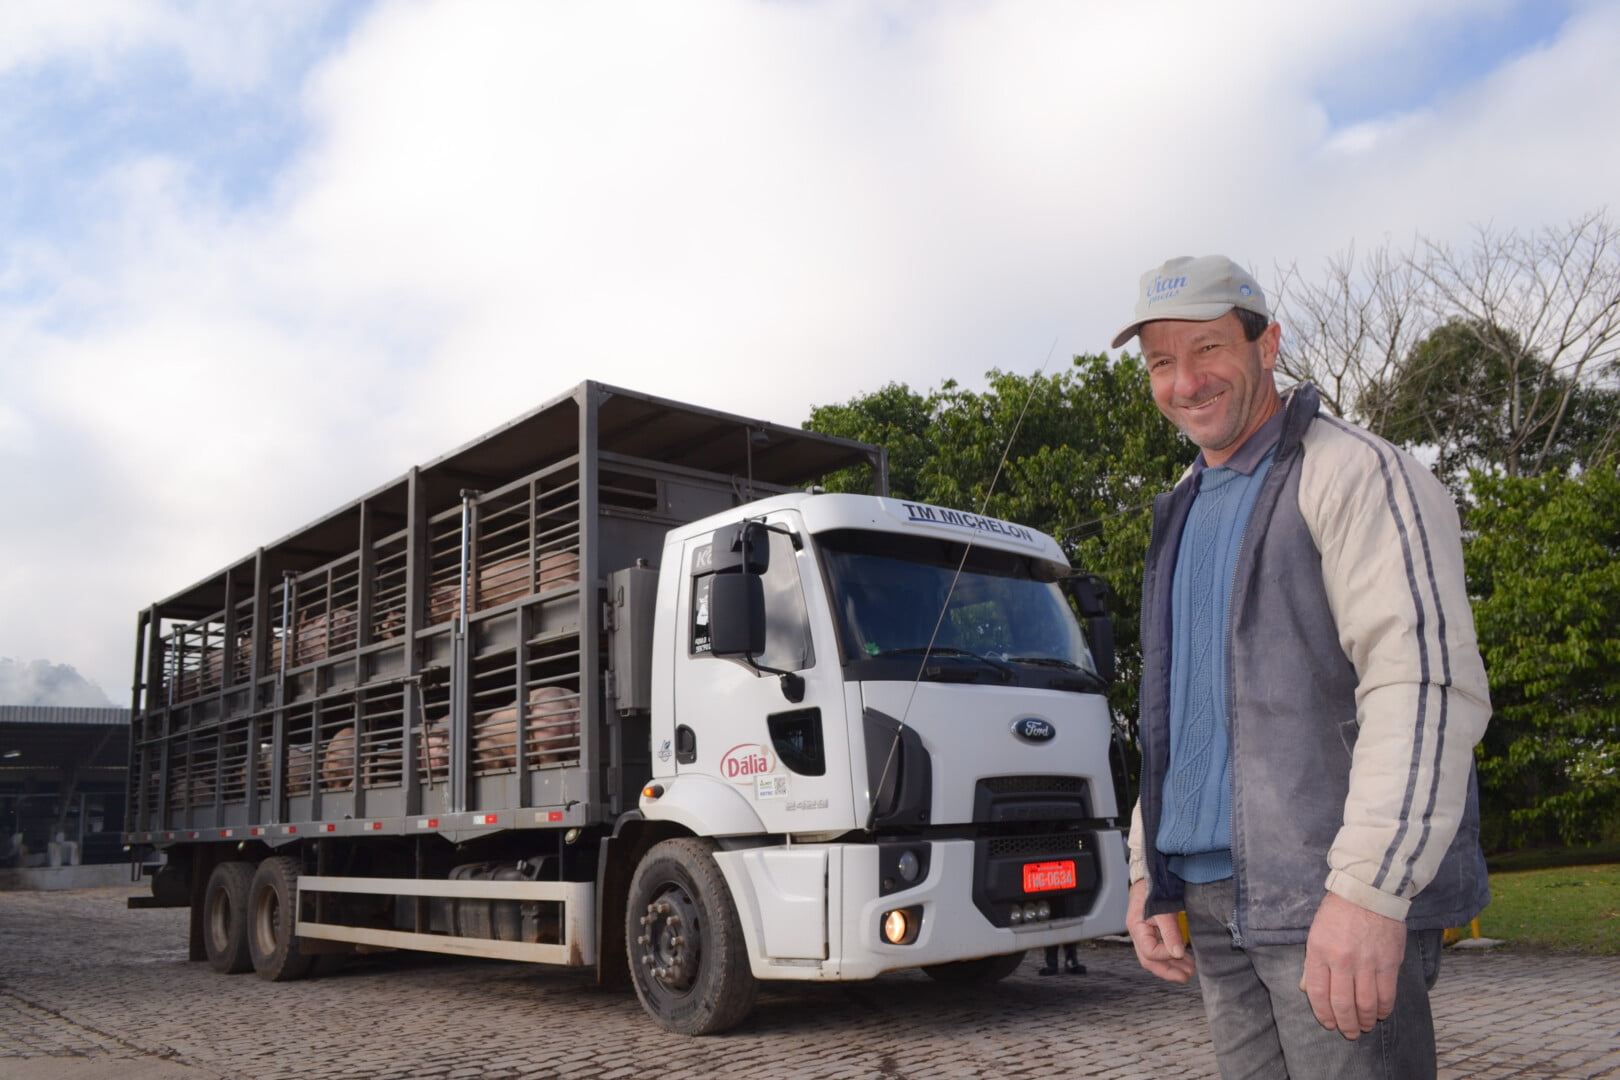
x,y
981,971
687,955
272,914
225,917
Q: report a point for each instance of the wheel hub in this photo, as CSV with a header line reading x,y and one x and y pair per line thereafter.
x,y
671,941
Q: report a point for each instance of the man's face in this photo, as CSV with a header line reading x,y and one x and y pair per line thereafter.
x,y
1211,383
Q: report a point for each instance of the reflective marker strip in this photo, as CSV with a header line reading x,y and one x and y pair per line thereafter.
x,y
374,826
288,829
427,823
485,819
256,831
193,836
328,828
227,832
555,815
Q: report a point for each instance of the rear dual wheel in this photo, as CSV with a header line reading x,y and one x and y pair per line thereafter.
x,y
272,916
225,917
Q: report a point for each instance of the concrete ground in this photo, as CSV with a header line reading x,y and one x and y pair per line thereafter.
x,y
92,991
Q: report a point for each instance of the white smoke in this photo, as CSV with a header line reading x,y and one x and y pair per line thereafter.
x,y
40,682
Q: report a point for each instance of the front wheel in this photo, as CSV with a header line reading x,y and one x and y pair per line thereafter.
x,y
688,959
981,971
272,915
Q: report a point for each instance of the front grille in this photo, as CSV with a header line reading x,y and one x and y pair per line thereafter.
x,y
1031,803
1021,785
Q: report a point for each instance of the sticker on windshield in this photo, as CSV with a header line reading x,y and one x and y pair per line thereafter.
x,y
938,515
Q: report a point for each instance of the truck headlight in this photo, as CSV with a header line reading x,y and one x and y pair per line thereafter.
x,y
901,865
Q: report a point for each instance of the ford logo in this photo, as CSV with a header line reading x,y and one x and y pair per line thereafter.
x,y
1033,729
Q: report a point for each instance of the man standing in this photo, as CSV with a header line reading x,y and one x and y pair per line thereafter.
x,y
1312,693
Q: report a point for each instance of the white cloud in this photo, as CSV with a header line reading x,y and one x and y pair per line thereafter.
x,y
223,46
754,206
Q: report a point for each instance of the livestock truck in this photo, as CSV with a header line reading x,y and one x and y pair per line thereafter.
x,y
607,687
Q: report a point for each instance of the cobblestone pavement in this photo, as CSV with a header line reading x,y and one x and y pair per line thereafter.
x,y
90,990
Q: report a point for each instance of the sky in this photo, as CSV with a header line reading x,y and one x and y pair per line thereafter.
x,y
258,259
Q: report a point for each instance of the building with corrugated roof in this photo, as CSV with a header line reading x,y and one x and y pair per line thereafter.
x,y
62,776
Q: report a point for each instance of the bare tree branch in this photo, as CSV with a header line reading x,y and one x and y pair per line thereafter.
x,y
1542,308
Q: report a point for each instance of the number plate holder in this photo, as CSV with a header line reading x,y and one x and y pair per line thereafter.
x,y
1049,876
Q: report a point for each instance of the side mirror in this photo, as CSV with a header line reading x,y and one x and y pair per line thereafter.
x,y
745,546
1090,594
736,615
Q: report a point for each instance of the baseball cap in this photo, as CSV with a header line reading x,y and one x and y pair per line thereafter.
x,y
1196,290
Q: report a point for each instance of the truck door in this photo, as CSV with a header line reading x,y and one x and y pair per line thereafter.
x,y
737,722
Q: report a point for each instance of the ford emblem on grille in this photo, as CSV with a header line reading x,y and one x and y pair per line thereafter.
x,y
1033,729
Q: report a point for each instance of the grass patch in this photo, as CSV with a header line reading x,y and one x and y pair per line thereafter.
x,y
1570,909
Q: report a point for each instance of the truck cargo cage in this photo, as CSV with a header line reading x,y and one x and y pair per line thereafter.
x,y
436,649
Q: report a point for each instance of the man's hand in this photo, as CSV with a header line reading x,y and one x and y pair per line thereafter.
x,y
1157,939
1351,959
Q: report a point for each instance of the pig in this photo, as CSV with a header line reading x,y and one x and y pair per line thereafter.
x,y
553,736
318,635
337,761
433,752
554,725
558,568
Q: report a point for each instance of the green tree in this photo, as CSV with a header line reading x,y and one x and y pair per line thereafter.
x,y
1078,454
1544,568
895,418
1478,399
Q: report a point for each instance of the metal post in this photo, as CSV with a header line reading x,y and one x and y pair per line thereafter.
x,y
460,671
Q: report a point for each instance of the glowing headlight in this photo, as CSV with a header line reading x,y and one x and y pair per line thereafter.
x,y
896,927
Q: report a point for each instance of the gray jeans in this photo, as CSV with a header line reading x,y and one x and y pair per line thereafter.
x,y
1261,1022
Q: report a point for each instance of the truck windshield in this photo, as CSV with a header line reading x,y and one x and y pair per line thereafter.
x,y
1004,618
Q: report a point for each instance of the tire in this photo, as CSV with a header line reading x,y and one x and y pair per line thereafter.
x,y
272,914
225,918
688,959
978,972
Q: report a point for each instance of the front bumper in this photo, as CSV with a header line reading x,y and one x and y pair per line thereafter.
x,y
815,911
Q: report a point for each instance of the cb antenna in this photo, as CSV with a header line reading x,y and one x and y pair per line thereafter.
x,y
892,759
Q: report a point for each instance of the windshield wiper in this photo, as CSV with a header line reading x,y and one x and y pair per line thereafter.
x,y
1088,679
1007,673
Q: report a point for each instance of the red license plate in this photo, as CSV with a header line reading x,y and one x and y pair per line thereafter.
x,y
1046,876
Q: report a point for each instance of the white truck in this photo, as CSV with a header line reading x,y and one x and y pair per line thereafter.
x,y
601,688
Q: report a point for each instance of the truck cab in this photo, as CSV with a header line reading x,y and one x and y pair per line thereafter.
x,y
890,719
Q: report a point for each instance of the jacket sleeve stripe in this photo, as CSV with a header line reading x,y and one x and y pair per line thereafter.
x,y
1423,733
1440,687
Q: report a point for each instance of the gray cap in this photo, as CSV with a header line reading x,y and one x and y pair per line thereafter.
x,y
1196,290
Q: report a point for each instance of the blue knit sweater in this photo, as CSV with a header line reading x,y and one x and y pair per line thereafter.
x,y
1195,830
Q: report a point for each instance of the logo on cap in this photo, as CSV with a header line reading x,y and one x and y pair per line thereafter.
x,y
1164,288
